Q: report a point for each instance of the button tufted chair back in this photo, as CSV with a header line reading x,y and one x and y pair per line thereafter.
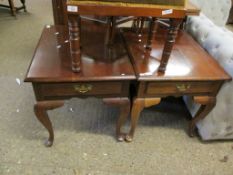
x,y
216,10
218,42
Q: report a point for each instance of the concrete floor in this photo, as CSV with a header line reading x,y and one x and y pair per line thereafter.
x,y
84,136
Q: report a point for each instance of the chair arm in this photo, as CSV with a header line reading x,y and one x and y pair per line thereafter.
x,y
218,42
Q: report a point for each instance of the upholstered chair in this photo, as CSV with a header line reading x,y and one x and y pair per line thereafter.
x,y
208,29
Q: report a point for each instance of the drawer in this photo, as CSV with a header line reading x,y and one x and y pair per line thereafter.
x,y
80,89
180,87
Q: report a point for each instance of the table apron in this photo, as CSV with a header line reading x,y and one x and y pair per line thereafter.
x,y
62,91
178,88
126,11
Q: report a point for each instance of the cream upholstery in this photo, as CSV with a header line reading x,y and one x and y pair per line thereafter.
x,y
218,41
215,10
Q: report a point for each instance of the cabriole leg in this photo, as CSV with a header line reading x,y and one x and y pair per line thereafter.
x,y
207,104
40,110
138,105
124,105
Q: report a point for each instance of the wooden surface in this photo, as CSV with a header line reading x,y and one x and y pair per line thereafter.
x,y
52,59
188,60
191,9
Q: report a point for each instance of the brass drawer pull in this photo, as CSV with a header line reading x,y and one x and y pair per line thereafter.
x,y
83,88
182,87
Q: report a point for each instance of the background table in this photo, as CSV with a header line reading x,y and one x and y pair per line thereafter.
x,y
75,9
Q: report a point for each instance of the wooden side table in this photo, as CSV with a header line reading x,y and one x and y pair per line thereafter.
x,y
190,71
53,80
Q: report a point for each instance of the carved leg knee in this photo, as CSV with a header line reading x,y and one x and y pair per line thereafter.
x,y
40,110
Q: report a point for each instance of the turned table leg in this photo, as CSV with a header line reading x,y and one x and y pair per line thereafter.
x,y
109,38
124,104
24,6
170,41
109,31
136,24
40,110
142,22
138,105
207,104
12,7
140,29
74,32
151,33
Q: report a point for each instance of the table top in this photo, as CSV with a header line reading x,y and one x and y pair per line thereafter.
x,y
128,9
52,60
188,61
191,9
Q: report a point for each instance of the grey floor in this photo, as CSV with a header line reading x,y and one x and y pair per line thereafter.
x,y
84,129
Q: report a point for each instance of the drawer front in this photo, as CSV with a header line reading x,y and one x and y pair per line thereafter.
x,y
155,88
81,89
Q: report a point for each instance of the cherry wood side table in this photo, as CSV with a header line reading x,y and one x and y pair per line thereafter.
x,y
53,80
176,15
190,71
